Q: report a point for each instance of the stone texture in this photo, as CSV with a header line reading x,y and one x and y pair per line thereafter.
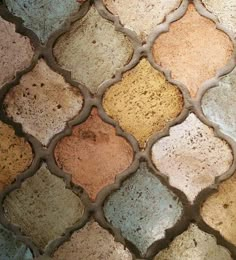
x,y
225,11
143,208
15,155
141,16
92,242
42,207
189,53
143,102
93,50
192,156
16,52
218,104
43,102
43,17
93,154
194,244
10,248
219,211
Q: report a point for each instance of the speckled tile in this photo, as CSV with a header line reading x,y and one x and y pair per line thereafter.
x,y
192,156
129,209
15,155
143,102
43,17
10,248
16,52
43,102
40,201
141,16
92,242
93,50
225,11
219,210
189,53
218,104
93,154
194,244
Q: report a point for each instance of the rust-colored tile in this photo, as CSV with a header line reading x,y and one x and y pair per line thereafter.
x,y
43,207
15,155
219,211
193,49
16,52
43,102
92,50
93,154
92,242
143,102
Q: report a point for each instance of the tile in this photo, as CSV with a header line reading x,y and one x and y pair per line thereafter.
x,y
218,104
43,102
143,102
143,208
43,17
192,156
225,11
92,242
93,154
10,248
42,199
92,50
16,52
219,210
189,53
15,155
194,244
141,16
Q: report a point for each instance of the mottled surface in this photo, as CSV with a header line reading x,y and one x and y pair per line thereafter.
x,y
218,104
42,207
43,17
92,242
189,53
16,52
143,208
225,11
93,50
191,156
15,155
93,154
219,211
43,102
10,248
141,16
194,244
143,102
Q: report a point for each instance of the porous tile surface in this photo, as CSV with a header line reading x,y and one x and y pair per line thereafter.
x,y
43,17
92,242
143,208
143,102
42,207
194,244
219,210
16,52
43,102
225,11
218,104
192,156
189,53
15,155
141,16
93,50
93,154
10,248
